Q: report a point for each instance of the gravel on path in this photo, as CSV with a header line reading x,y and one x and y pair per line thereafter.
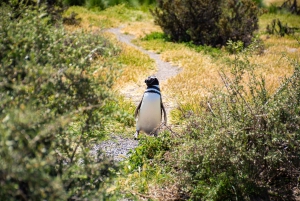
x,y
118,147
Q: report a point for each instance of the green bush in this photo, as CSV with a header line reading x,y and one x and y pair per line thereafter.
x,y
74,2
207,22
278,28
53,107
244,145
149,149
101,4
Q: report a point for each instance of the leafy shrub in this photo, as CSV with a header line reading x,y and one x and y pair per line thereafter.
x,y
74,2
54,8
256,47
101,4
234,47
53,106
142,167
244,145
273,9
277,28
260,3
72,20
149,148
207,22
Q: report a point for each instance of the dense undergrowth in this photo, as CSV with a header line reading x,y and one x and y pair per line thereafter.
x,y
55,103
242,145
242,142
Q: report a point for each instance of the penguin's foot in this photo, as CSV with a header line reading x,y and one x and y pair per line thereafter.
x,y
136,135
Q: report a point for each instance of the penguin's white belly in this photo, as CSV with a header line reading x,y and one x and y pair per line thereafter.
x,y
149,117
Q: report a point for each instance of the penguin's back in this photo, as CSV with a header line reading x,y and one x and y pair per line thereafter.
x,y
149,117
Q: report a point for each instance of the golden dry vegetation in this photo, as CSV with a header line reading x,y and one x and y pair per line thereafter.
x,y
274,2
200,71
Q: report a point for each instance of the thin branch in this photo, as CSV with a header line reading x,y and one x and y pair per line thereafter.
x,y
210,108
236,91
282,86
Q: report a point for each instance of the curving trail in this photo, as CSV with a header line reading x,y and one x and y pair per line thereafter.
x,y
118,147
165,69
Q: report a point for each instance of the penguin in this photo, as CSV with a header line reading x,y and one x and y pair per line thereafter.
x,y
148,113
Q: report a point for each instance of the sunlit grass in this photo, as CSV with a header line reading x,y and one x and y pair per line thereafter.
x,y
274,2
111,17
136,66
200,69
159,46
287,18
199,75
141,28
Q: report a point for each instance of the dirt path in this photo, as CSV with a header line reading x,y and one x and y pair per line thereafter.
x,y
164,71
118,147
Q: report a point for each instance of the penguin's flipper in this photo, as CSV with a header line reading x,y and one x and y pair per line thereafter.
x,y
138,109
164,111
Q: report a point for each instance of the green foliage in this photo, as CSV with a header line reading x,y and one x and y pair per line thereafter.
x,y
234,47
244,145
53,107
278,28
149,149
273,9
256,47
207,23
214,52
156,36
103,4
74,2
72,20
54,8
260,3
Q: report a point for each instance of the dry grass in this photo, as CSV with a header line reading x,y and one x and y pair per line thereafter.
x,y
90,20
140,29
199,74
266,19
275,2
135,65
200,71
111,17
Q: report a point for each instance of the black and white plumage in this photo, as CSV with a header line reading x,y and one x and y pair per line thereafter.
x,y
148,113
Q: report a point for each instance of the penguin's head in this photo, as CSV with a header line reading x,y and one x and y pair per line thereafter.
x,y
151,80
